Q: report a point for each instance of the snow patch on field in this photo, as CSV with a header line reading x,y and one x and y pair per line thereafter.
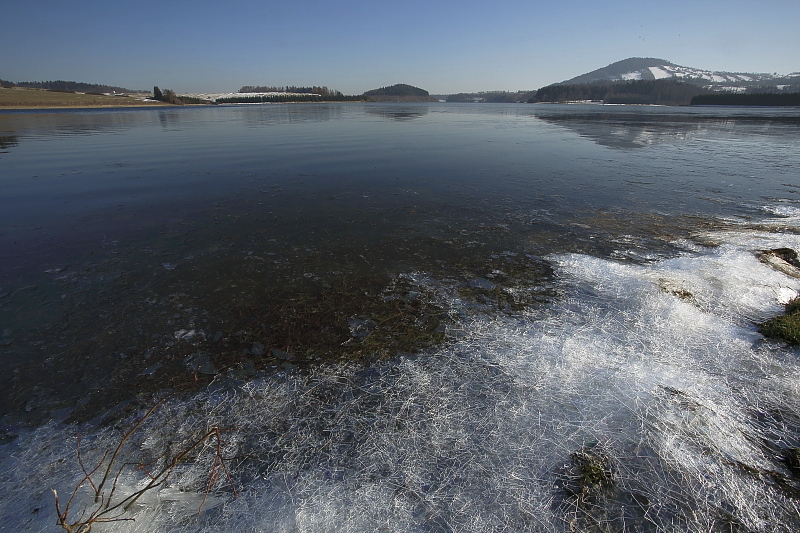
x,y
659,73
733,89
217,96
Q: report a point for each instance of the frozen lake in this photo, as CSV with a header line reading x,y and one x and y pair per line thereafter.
x,y
406,317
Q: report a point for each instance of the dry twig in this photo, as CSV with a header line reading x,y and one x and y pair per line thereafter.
x,y
110,506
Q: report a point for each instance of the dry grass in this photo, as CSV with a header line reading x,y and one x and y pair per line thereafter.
x,y
24,98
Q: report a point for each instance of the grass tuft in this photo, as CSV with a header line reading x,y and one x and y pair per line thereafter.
x,y
786,326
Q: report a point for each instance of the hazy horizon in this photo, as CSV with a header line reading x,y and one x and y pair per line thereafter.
x,y
443,48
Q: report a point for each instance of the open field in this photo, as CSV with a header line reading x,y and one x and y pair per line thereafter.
x,y
25,98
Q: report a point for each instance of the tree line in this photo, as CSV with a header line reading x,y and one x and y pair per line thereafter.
x,y
314,89
286,98
653,92
69,86
168,96
658,92
491,97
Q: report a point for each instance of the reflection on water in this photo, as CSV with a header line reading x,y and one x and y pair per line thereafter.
x,y
621,132
17,126
399,112
7,141
626,129
170,119
55,123
272,114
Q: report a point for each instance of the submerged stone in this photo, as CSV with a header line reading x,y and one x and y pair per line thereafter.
x,y
481,283
201,363
5,438
257,348
281,355
360,328
150,370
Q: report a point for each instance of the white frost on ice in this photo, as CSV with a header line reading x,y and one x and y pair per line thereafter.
x,y
658,366
788,214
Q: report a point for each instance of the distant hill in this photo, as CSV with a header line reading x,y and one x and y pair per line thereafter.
x,y
400,92
634,68
75,86
650,68
400,89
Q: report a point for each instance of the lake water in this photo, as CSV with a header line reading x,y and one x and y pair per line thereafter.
x,y
406,317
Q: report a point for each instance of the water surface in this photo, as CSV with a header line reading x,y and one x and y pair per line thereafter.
x,y
415,315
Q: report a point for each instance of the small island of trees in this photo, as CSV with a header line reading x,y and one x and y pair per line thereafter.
x,y
400,92
400,89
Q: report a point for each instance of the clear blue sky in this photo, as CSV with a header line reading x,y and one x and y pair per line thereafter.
x,y
353,46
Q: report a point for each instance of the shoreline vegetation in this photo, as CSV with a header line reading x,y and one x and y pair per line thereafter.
x,y
64,95
642,92
22,98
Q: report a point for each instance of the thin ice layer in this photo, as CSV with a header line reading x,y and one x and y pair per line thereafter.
x,y
655,369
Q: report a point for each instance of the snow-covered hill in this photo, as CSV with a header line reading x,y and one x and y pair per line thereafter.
x,y
649,68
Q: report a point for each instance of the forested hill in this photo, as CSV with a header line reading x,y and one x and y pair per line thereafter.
x,y
653,92
401,89
628,69
651,68
400,92
75,86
